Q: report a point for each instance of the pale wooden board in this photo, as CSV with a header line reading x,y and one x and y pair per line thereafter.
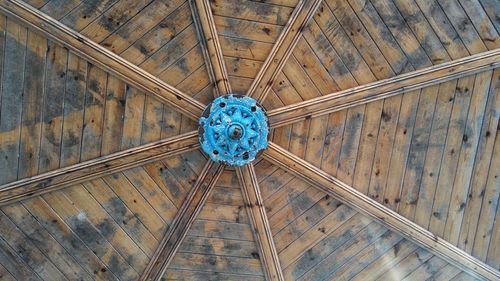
x,y
220,243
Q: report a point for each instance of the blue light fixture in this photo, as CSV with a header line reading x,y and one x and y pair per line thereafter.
x,y
233,130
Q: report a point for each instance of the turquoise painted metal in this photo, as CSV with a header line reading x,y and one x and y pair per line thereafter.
x,y
233,130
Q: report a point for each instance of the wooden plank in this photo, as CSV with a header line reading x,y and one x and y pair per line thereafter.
x,y
113,115
27,251
85,13
449,162
259,221
12,98
434,153
282,49
389,218
492,9
207,263
333,256
190,208
133,117
102,57
32,106
15,264
139,24
386,261
95,97
212,50
385,88
57,227
466,161
127,218
73,115
53,96
82,226
85,204
92,169
114,18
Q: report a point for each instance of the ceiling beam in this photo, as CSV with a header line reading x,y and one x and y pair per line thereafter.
x,y
384,88
382,214
260,223
282,49
212,51
89,170
179,227
102,57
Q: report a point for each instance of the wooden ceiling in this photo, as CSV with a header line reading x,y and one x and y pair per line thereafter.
x,y
385,154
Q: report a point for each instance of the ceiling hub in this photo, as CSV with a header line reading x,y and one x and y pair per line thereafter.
x,y
233,130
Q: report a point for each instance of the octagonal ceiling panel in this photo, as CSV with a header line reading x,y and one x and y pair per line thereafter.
x,y
158,36
247,31
351,43
220,245
58,109
103,229
430,155
320,238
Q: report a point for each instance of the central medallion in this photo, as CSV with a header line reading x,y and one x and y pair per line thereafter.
x,y
233,130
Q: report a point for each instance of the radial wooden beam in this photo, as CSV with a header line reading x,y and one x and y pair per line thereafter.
x,y
96,168
190,208
102,57
384,88
212,51
282,49
260,223
385,216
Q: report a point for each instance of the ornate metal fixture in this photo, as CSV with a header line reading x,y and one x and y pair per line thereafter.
x,y
233,130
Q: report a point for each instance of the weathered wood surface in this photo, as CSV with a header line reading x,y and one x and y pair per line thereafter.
x,y
282,49
259,221
191,207
101,57
384,88
220,244
203,17
104,229
98,167
391,219
400,151
318,237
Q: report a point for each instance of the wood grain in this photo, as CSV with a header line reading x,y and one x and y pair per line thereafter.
x,y
260,223
384,88
366,205
96,168
182,222
102,57
214,60
282,49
